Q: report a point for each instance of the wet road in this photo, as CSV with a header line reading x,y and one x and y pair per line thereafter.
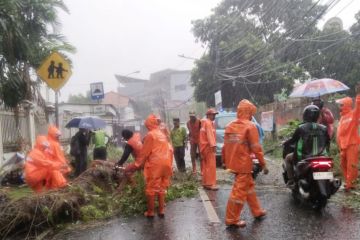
x,y
187,219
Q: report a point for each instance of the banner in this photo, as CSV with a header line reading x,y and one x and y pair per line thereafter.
x,y
267,121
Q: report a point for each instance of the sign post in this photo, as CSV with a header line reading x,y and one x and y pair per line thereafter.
x,y
97,91
55,71
218,100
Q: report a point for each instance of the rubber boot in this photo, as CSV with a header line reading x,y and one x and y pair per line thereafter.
x,y
233,210
150,206
161,199
254,206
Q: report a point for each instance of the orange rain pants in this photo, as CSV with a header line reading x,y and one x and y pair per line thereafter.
x,y
348,140
156,158
207,144
209,167
241,139
349,158
243,191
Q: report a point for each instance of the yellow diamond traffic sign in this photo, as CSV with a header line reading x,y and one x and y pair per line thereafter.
x,y
55,71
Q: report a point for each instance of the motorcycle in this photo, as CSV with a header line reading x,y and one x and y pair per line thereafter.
x,y
314,179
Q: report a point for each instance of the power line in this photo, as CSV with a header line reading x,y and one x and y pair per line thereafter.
x,y
253,58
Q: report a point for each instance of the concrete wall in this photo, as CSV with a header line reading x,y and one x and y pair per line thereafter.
x,y
290,110
180,87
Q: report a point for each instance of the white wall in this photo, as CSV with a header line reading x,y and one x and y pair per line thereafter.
x,y
181,89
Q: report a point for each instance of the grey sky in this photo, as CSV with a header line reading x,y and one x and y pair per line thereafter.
x,y
122,36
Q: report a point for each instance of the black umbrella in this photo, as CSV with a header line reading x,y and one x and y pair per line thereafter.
x,y
86,122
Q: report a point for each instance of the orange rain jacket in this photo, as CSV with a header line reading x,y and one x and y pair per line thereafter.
x,y
194,131
56,150
347,133
39,165
241,139
136,145
156,158
207,135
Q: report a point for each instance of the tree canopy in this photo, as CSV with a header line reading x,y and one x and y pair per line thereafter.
x,y
258,48
80,98
28,33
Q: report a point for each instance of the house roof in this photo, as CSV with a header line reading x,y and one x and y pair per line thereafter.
x,y
116,99
125,79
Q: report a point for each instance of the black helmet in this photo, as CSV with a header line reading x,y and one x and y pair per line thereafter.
x,y
318,102
311,113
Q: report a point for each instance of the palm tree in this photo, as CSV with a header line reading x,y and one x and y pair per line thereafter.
x,y
28,33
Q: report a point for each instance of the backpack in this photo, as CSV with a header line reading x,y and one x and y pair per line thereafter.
x,y
74,146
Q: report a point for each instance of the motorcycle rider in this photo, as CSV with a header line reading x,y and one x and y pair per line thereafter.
x,y
310,139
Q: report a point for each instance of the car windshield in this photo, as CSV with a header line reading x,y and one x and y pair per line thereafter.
x,y
221,122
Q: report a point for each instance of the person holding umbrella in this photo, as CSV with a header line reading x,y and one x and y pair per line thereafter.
x,y
82,138
326,117
80,141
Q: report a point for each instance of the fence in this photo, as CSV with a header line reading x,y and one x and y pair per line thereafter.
x,y
12,133
18,131
290,110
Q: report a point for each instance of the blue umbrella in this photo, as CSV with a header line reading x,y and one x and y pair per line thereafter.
x,y
86,122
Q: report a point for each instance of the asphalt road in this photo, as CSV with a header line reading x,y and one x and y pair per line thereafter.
x,y
188,219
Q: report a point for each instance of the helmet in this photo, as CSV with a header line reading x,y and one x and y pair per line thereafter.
x,y
318,102
311,113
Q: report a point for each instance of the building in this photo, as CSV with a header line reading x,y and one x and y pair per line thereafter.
x,y
167,89
123,104
131,87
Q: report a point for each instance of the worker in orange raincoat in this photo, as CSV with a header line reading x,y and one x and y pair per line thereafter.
x,y
56,150
133,146
241,139
156,158
165,130
207,145
348,138
40,168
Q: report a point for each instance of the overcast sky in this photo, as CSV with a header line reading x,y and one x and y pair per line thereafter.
x,y
123,36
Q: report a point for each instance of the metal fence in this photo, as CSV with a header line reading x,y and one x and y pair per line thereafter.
x,y
13,134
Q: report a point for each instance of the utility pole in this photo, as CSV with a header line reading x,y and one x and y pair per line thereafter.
x,y
57,108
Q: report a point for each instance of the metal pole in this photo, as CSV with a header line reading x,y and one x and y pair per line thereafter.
x,y
57,108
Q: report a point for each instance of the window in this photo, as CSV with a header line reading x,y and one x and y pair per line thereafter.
x,y
181,87
221,122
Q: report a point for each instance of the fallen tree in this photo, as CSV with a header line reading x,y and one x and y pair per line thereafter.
x,y
32,214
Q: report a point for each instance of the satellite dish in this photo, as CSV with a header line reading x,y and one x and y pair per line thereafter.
x,y
334,23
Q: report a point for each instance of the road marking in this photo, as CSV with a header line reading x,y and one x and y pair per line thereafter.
x,y
210,210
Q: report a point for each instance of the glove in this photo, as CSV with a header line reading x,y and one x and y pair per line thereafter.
x,y
130,168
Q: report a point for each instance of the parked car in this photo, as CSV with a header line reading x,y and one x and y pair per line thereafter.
x,y
221,121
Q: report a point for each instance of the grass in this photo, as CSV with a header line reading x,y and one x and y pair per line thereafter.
x,y
15,193
132,200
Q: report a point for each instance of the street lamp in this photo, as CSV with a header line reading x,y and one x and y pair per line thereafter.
x,y
135,72
119,83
